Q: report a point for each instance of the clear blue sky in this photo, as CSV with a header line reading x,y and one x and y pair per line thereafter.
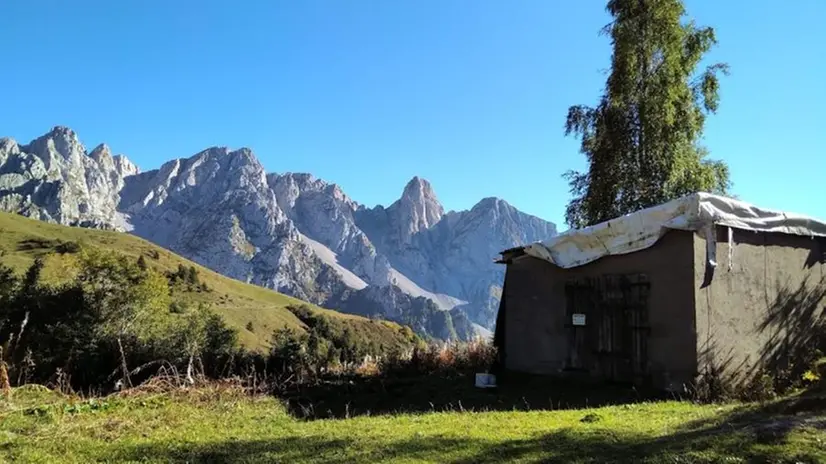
x,y
470,94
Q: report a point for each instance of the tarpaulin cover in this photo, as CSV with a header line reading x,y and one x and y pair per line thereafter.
x,y
698,212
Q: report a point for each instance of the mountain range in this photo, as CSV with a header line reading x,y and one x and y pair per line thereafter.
x,y
411,262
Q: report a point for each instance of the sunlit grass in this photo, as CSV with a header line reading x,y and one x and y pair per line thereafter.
x,y
223,425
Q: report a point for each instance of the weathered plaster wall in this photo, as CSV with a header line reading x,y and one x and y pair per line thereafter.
x,y
767,304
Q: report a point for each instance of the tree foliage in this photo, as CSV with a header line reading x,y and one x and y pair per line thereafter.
x,y
142,262
8,288
642,139
112,317
189,277
132,301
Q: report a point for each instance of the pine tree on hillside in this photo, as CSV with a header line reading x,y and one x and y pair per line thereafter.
x,y
142,263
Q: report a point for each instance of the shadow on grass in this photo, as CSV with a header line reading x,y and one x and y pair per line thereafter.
x,y
772,422
356,396
725,442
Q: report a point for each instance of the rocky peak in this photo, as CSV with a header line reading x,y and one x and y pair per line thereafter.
x,y
8,147
323,211
490,202
233,168
52,178
62,131
244,155
103,156
60,142
289,186
338,194
211,152
492,206
116,166
100,151
209,176
418,209
420,190
298,180
125,167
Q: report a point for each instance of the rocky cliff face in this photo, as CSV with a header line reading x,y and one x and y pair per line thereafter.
x,y
53,178
411,262
217,209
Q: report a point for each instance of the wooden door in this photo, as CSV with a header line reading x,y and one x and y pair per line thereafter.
x,y
612,342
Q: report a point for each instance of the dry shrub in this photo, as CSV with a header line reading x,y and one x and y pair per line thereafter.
x,y
439,357
5,386
369,366
202,391
446,356
479,354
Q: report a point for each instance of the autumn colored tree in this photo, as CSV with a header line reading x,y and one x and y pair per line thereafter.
x,y
642,139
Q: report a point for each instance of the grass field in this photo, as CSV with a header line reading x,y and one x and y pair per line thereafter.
x,y
22,239
224,425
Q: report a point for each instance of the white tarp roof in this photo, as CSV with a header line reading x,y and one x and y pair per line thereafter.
x,y
637,231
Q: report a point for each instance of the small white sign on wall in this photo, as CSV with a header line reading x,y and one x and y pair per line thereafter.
x,y
579,319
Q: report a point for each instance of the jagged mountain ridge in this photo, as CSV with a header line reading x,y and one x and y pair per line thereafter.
x,y
290,232
33,180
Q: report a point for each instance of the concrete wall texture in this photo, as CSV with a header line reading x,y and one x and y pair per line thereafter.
x,y
734,320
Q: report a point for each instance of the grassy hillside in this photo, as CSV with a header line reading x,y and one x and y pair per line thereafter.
x,y
223,425
243,306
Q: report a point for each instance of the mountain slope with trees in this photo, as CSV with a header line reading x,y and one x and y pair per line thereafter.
x,y
253,311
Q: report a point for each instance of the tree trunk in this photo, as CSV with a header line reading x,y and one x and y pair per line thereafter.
x,y
189,378
123,367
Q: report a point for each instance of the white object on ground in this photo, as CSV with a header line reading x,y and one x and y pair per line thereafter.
x,y
484,380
